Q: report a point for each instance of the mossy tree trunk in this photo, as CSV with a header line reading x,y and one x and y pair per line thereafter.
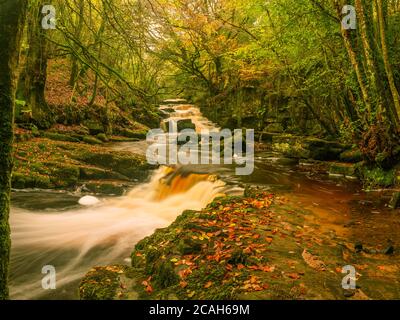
x,y
386,58
12,16
35,72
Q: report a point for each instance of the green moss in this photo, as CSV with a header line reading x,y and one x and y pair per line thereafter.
x,y
125,163
65,176
105,188
102,137
93,173
59,137
165,275
131,133
94,127
344,169
376,177
99,284
34,180
352,156
91,140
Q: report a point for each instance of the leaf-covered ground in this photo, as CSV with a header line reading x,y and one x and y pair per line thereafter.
x,y
259,246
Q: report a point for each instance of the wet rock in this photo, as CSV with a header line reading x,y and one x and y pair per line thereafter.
x,y
389,250
91,140
352,156
349,293
59,137
342,169
109,188
395,201
358,247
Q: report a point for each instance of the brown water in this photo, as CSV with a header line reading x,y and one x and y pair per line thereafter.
x,y
51,228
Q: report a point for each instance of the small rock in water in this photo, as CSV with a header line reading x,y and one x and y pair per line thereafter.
x,y
389,250
359,247
395,201
88,201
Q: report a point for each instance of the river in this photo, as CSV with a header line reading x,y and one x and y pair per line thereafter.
x,y
51,228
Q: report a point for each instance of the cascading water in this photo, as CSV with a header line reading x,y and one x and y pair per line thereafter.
x,y
77,239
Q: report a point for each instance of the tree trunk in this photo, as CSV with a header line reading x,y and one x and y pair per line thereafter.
x,y
386,60
36,68
371,71
12,16
78,31
354,61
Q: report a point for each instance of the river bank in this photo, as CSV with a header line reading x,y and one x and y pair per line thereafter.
x,y
259,246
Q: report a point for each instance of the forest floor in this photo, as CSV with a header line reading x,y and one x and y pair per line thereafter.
x,y
260,246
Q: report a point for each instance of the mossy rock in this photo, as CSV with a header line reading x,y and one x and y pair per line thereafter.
x,y
102,137
94,127
92,173
189,246
109,188
164,275
344,169
100,283
395,201
376,177
125,163
65,176
22,181
59,137
352,156
131,133
91,140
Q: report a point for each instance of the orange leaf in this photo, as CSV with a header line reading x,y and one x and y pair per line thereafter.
x,y
208,285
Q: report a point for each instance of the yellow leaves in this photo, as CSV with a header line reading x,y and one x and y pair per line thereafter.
x,y
313,261
254,284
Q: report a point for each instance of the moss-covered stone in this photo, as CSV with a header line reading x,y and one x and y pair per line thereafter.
x,y
102,137
131,133
91,140
342,169
100,284
109,188
375,177
93,173
59,137
305,148
94,127
34,180
352,156
125,163
65,176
